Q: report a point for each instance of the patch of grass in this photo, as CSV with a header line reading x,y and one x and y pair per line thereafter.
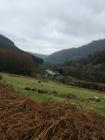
x,y
19,83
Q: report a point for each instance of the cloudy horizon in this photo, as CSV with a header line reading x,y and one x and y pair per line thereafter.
x,y
46,26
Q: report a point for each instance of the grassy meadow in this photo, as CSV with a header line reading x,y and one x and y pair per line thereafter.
x,y
55,92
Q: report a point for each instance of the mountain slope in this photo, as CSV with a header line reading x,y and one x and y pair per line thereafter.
x,y
91,69
14,60
96,60
7,43
75,53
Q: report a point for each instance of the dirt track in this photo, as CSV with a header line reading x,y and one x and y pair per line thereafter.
x,y
23,119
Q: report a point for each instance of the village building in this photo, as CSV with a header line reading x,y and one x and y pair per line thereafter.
x,y
55,75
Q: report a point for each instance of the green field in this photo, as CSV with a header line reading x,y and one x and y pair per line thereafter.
x,y
56,92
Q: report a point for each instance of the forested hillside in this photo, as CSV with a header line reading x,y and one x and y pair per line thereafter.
x,y
86,72
14,60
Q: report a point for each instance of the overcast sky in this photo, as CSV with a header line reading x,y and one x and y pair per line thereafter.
x,y
46,26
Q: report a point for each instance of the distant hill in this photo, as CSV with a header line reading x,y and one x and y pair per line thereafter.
x,y
75,53
42,56
14,60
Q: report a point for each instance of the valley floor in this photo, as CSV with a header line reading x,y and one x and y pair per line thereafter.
x,y
42,90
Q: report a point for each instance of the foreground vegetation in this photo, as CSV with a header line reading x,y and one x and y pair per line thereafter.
x,y
24,119
49,91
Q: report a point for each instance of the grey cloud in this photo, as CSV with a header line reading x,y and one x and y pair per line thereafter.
x,y
45,26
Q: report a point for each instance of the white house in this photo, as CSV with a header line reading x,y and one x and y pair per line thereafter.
x,y
53,75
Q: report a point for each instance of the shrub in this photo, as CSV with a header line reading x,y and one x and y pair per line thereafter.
x,y
34,89
0,77
42,91
28,88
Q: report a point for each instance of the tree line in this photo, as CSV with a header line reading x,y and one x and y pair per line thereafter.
x,y
18,62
